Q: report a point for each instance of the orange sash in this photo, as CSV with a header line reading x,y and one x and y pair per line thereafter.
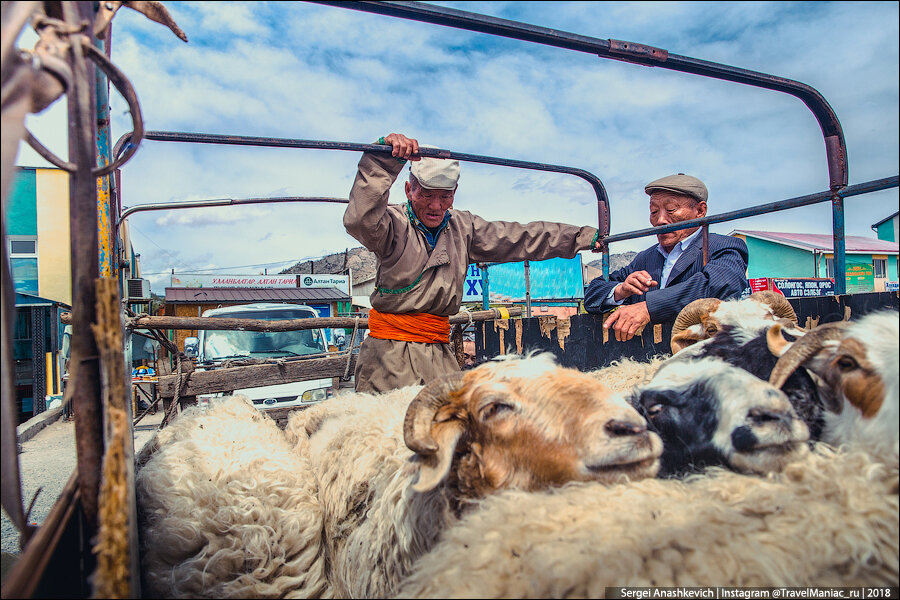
x,y
411,327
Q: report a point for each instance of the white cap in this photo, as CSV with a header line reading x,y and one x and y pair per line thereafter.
x,y
436,173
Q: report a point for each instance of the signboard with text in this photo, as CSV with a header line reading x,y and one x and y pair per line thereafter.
x,y
860,278
233,281
341,282
794,287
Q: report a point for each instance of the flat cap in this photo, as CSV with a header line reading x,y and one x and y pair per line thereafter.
x,y
680,184
436,173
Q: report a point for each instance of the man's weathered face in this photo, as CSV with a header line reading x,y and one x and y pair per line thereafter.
x,y
667,208
429,205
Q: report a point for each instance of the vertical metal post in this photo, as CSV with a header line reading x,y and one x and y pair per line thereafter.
x,y
840,263
38,361
85,362
108,251
527,290
705,244
485,289
604,260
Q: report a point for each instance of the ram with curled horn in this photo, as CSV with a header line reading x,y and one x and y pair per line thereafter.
x,y
703,318
395,470
857,366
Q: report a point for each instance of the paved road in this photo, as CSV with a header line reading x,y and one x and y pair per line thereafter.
x,y
47,461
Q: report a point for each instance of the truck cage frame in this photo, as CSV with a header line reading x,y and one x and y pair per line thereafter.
x,y
64,539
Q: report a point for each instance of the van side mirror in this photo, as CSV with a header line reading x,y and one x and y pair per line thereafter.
x,y
192,347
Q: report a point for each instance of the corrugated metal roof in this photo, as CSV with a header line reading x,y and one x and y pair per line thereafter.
x,y
208,295
824,242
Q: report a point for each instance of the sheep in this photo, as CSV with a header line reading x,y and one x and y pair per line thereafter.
x,y
858,362
736,332
829,519
702,319
513,422
710,413
227,509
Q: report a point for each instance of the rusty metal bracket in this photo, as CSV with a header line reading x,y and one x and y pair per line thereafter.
x,y
636,53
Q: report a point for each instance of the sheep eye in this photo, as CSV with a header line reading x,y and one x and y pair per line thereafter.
x,y
655,410
495,408
846,363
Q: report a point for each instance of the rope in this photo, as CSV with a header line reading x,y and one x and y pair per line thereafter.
x,y
350,349
173,408
466,310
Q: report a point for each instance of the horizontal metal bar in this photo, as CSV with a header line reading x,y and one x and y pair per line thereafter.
x,y
222,202
236,140
835,145
853,190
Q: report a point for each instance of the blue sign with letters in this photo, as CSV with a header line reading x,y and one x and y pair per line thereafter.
x,y
553,279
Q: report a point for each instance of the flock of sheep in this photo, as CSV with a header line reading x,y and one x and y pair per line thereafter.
x,y
758,454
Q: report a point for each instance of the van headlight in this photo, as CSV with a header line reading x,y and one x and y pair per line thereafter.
x,y
316,395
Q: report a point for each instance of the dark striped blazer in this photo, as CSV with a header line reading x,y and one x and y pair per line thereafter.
x,y
724,276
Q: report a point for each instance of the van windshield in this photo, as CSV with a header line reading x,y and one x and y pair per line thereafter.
x,y
220,344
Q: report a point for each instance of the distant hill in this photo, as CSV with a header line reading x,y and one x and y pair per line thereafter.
x,y
616,261
362,264
359,261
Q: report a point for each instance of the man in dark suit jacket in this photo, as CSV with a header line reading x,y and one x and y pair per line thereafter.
x,y
664,278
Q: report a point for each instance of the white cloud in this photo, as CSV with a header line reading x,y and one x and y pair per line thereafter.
x,y
301,70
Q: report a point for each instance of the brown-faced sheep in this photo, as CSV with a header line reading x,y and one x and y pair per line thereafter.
x,y
858,363
514,422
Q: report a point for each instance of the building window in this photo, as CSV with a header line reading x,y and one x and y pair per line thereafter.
x,y
880,267
23,262
829,268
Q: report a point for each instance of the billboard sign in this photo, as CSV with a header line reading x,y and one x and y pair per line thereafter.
x,y
234,281
860,278
553,279
799,287
341,282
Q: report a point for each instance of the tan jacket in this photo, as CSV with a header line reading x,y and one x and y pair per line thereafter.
x,y
411,277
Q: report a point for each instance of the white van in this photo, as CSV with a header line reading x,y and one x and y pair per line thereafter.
x,y
214,347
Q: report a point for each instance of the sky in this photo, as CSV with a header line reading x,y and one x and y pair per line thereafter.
x,y
307,71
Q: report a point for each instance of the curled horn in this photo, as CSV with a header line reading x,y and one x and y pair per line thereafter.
x,y
693,313
421,411
778,303
803,349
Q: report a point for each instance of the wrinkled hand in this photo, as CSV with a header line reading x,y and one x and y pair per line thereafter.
x,y
404,147
627,320
638,283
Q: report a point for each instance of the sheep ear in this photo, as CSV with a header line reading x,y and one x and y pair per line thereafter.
x,y
683,339
434,468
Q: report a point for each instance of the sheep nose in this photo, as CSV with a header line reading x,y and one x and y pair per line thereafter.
x,y
623,428
761,416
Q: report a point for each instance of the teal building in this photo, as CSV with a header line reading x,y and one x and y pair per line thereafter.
x,y
778,254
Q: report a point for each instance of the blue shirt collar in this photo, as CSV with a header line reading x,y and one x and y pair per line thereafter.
x,y
430,237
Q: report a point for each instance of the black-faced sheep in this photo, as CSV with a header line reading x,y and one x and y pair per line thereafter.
x,y
735,331
227,509
709,413
522,423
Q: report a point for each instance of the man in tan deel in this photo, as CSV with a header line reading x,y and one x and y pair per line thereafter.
x,y
423,248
